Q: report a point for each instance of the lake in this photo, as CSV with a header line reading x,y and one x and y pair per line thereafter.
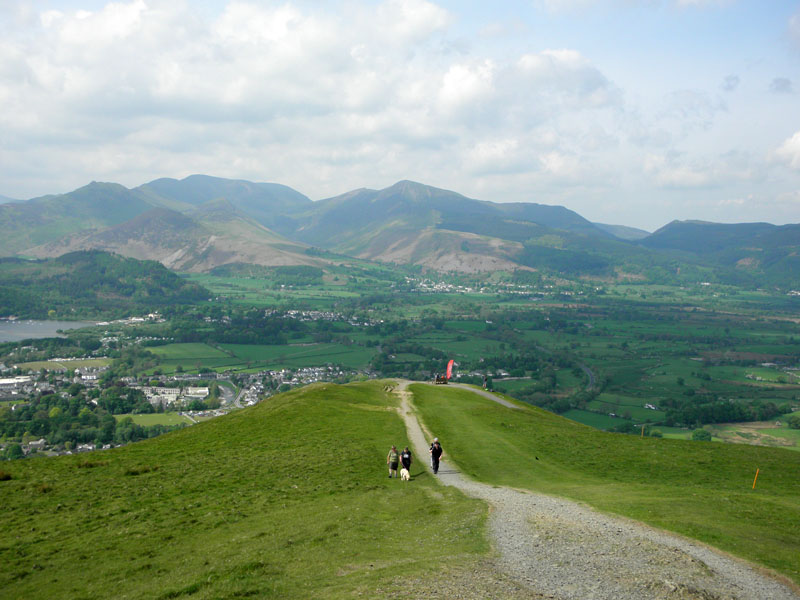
x,y
14,331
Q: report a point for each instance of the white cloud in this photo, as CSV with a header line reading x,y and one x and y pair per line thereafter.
x,y
143,76
560,164
692,108
790,200
412,20
789,152
679,171
324,99
794,27
465,84
556,6
505,155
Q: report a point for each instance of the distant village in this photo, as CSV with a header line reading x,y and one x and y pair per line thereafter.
x,y
174,393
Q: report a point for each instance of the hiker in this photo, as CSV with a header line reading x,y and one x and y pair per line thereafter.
x,y
405,458
392,459
436,455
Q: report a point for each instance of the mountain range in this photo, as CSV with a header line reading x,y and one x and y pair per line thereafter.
x,y
201,222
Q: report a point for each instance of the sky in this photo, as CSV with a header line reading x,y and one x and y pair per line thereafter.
x,y
631,112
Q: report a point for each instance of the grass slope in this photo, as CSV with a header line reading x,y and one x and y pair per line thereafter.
x,y
288,499
699,489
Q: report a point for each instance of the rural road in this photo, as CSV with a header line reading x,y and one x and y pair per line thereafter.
x,y
557,548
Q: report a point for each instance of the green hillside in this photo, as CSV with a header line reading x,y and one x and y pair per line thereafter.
x,y
699,489
623,232
289,499
261,201
90,283
343,222
41,220
759,253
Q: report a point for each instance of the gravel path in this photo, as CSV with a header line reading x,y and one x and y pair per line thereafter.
x,y
485,394
557,548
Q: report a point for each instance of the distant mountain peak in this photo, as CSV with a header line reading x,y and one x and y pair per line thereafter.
x,y
415,190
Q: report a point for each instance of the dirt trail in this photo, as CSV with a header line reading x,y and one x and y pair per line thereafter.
x,y
557,548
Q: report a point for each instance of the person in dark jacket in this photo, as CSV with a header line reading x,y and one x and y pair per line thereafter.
x,y
406,459
436,455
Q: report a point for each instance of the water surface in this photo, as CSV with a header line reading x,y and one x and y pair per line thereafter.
x,y
14,331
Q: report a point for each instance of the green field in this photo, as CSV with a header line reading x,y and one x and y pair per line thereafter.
x,y
254,357
66,365
301,355
698,489
592,419
759,433
288,499
167,418
188,352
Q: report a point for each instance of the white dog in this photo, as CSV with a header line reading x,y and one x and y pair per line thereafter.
x,y
404,474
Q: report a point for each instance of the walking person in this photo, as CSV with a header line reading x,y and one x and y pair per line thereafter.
x,y
406,459
430,450
436,455
392,459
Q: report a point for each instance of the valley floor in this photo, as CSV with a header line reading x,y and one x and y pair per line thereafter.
x,y
556,548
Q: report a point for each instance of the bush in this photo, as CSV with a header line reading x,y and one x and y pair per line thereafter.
x,y
701,435
14,451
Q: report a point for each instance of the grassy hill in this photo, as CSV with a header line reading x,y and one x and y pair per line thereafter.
x,y
41,220
359,222
623,232
759,253
201,222
92,283
289,499
699,489
261,201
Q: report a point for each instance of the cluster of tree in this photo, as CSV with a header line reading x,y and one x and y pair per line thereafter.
x,y
295,276
119,399
90,283
209,403
250,326
67,422
42,349
709,409
128,361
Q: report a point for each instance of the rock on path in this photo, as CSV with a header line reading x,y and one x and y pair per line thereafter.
x,y
557,548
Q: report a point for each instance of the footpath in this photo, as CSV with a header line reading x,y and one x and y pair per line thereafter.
x,y
556,548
